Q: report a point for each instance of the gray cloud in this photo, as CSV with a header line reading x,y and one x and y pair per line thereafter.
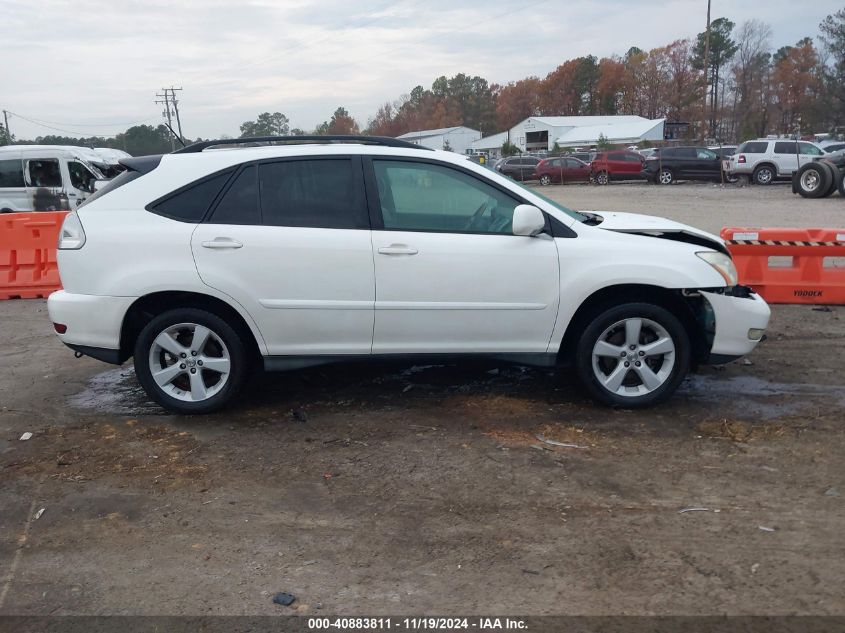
x,y
86,64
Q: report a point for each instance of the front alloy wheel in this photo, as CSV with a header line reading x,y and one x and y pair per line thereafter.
x,y
602,178
190,361
634,355
545,180
666,177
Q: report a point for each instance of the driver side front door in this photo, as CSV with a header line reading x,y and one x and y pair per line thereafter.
x,y
450,275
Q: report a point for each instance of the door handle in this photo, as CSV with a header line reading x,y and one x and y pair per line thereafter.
x,y
222,242
397,249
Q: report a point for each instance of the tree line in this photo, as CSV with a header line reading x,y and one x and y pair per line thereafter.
x,y
744,88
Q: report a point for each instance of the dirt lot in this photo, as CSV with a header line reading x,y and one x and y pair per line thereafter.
x,y
394,489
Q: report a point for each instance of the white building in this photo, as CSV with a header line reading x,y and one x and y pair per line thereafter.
x,y
459,138
492,145
539,133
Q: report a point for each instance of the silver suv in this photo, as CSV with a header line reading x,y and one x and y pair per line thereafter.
x,y
764,160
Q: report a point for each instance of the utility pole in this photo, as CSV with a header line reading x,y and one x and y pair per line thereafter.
x,y
176,108
165,99
706,76
8,139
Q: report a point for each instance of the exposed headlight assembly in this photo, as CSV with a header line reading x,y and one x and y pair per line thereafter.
x,y
722,263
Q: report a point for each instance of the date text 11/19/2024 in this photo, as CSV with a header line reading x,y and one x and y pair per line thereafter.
x,y
415,624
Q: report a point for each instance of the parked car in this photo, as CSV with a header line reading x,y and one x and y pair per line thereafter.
x,y
561,170
617,165
765,160
518,167
830,148
45,178
822,177
203,264
683,163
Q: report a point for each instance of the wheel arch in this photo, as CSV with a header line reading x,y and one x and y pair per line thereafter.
x,y
688,310
148,306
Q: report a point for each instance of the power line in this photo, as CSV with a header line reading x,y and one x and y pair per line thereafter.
x,y
43,124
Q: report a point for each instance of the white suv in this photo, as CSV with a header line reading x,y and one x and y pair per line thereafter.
x,y
205,263
765,160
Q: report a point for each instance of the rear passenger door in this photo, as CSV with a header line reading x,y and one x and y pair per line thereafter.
x,y
786,157
290,241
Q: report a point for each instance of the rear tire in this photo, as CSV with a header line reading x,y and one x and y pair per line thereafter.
x,y
190,361
764,175
841,182
813,180
834,172
660,344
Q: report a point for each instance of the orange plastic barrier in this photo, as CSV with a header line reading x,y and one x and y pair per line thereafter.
x,y
805,279
28,266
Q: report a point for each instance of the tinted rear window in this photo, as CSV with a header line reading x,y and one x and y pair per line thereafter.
x,y
313,193
753,147
786,147
239,204
191,203
11,173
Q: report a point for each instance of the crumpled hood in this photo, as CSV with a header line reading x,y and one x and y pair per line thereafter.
x,y
653,226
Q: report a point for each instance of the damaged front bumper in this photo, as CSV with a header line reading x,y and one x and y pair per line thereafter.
x,y
736,321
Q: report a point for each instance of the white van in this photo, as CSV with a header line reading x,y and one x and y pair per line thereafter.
x,y
45,178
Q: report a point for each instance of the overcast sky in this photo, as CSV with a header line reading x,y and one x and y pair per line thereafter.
x,y
90,67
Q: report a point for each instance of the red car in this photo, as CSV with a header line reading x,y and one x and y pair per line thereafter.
x,y
617,165
562,170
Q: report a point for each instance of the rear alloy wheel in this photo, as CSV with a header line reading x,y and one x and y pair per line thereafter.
x,y
602,178
813,180
634,355
190,361
545,180
666,177
764,175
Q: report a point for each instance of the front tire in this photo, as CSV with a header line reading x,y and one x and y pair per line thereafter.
x,y
190,361
545,180
602,178
634,355
666,177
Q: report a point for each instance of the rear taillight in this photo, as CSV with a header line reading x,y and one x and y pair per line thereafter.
x,y
60,328
740,158
72,235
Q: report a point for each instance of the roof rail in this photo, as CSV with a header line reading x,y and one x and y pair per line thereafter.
x,y
384,141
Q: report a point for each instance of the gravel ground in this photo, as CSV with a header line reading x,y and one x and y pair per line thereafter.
x,y
394,489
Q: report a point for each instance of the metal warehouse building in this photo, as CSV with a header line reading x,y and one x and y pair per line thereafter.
x,y
459,138
540,133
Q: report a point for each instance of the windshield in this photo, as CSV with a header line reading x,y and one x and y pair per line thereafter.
x,y
557,205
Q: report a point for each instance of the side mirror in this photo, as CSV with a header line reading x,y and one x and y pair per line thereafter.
x,y
528,220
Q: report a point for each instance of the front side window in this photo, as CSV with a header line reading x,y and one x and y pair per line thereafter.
x,y
426,197
45,172
706,154
809,149
324,193
80,177
11,173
